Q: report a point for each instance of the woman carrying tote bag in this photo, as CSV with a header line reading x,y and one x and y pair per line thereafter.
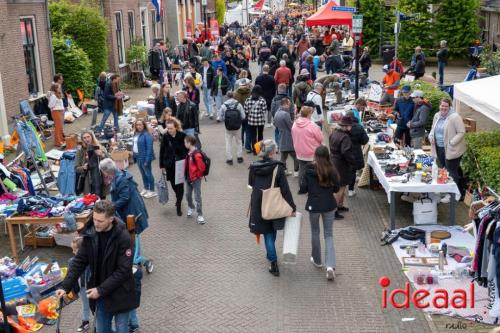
x,y
259,179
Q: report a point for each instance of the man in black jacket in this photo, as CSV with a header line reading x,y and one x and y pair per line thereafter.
x,y
266,81
207,74
187,113
106,250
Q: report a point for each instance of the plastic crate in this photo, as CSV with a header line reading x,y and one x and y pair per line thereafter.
x,y
65,239
14,288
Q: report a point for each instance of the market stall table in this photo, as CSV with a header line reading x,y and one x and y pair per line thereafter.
x,y
391,188
24,220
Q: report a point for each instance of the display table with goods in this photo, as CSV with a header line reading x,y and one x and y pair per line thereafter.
x,y
453,269
50,220
410,171
28,289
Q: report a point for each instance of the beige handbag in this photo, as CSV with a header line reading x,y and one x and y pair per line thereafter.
x,y
274,206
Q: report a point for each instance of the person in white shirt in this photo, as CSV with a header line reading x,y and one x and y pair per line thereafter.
x,y
56,106
314,96
348,44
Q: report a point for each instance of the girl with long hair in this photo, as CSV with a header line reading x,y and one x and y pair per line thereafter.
x,y
164,100
144,155
56,106
87,160
320,182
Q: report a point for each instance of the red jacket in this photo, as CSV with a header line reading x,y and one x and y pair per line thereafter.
x,y
194,166
283,75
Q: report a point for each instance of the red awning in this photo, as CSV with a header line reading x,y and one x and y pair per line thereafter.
x,y
327,16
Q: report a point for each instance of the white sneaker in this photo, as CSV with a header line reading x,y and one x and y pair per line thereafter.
x,y
189,212
269,125
315,264
143,192
200,219
296,174
330,273
445,199
351,193
288,173
150,194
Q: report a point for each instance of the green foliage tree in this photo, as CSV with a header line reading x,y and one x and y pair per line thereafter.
x,y
457,22
220,10
73,63
86,26
373,12
481,161
137,53
418,31
490,60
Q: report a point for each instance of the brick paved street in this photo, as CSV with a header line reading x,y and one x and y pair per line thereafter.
x,y
213,278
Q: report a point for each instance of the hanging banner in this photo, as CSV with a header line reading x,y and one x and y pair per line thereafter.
x,y
189,28
214,28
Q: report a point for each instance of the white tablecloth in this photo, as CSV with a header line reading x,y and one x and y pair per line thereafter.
x,y
411,186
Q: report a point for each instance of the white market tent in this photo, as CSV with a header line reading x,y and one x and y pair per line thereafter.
x,y
479,99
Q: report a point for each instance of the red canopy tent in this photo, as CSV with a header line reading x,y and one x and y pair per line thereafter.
x,y
327,16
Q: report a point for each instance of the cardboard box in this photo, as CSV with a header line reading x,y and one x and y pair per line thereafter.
x,y
65,239
118,155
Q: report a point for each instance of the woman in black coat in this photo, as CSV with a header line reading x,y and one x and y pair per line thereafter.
x,y
342,159
172,149
359,138
320,182
164,100
259,178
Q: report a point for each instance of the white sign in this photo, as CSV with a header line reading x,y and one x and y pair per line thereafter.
x,y
357,24
179,172
375,93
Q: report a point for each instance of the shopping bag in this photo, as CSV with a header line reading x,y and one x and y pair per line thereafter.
x,y
273,205
179,172
162,190
291,238
425,211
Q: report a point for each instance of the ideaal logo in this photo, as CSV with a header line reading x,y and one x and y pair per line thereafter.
x,y
422,298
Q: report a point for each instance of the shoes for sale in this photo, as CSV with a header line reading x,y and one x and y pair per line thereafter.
x,y
445,199
330,274
200,219
84,327
315,264
388,237
189,212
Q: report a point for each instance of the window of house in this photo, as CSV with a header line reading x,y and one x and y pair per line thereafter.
x,y
144,23
119,37
153,24
131,26
30,48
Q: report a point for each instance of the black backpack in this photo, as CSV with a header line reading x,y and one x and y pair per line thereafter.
x,y
232,117
206,160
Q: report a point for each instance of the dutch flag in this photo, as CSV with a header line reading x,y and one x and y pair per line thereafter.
x,y
159,9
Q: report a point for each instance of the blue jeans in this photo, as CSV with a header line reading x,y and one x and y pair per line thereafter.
x,y
218,103
85,304
270,239
133,321
104,320
277,136
232,81
441,66
189,131
147,175
207,100
247,133
138,258
105,116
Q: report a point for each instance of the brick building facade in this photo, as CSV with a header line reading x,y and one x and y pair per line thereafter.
x,y
26,64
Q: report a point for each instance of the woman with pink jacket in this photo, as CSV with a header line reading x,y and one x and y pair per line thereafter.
x,y
307,136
